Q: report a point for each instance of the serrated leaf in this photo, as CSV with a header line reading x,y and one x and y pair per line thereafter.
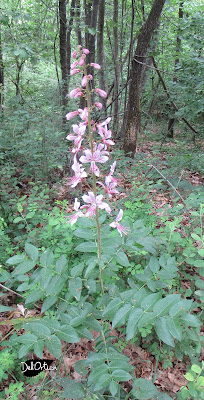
x,y
27,338
23,267
132,322
174,328
68,334
53,344
121,376
49,301
87,247
38,348
162,331
121,315
122,259
162,306
31,251
55,285
34,296
72,389
15,260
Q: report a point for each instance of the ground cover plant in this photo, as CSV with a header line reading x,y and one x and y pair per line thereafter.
x,y
114,304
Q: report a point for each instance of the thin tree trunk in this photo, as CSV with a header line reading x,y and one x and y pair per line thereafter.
x,y
69,30
170,132
63,49
1,74
100,48
78,23
117,68
133,119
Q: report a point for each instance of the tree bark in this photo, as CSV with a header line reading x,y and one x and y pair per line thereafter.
x,y
133,119
117,68
69,30
63,49
1,73
100,47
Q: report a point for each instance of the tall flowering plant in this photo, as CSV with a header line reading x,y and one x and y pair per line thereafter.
x,y
95,152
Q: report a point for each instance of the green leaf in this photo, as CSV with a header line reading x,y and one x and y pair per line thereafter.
x,y
85,333
191,320
53,344
121,376
134,316
5,308
144,389
189,377
34,296
174,328
113,388
146,318
162,306
49,301
150,300
180,307
23,267
72,389
38,348
75,287
31,251
47,258
121,315
201,253
61,264
122,259
97,372
27,339
15,259
18,219
77,270
68,334
23,351
154,264
87,247
162,331
40,330
114,304
195,368
55,285
84,233
102,382
198,263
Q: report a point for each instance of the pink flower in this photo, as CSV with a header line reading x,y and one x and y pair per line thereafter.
x,y
109,188
97,66
72,114
74,54
98,105
79,130
96,156
75,71
94,201
81,61
109,178
121,229
84,81
74,64
83,113
86,51
76,93
101,92
74,217
79,174
105,135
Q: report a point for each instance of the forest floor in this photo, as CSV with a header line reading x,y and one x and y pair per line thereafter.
x,y
160,163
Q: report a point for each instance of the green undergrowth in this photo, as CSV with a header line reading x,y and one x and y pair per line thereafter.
x,y
153,283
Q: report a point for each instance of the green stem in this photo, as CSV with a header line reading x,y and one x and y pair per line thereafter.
x,y
94,183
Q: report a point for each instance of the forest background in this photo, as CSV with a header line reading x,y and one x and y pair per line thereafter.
x,y
104,346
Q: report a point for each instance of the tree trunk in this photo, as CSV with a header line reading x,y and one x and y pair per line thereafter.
x,y
117,68
170,133
100,48
91,21
63,49
69,30
1,74
78,23
133,119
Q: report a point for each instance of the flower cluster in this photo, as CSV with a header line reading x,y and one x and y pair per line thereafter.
x,y
97,153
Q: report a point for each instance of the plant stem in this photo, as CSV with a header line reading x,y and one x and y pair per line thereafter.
x,y
94,183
